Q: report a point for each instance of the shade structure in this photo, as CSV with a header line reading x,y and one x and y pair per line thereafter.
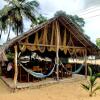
x,y
57,35
44,36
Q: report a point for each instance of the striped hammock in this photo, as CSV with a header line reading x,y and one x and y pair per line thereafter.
x,y
35,74
76,71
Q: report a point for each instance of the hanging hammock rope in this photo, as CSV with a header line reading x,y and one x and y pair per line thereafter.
x,y
79,69
35,74
23,47
76,71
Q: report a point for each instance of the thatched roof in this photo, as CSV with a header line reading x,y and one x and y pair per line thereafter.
x,y
66,22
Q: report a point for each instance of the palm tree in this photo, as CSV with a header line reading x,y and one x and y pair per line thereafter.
x,y
40,19
91,85
13,14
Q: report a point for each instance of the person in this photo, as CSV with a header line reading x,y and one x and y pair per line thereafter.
x,y
10,70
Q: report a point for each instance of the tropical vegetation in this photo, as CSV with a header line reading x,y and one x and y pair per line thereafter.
x,y
13,14
40,19
98,42
76,20
91,85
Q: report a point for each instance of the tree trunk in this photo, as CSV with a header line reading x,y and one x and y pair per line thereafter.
x,y
8,36
15,67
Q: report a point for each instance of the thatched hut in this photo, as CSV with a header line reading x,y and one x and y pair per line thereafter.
x,y
58,37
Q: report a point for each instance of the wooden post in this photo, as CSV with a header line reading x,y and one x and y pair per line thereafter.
x,y
15,67
57,51
95,60
86,63
0,68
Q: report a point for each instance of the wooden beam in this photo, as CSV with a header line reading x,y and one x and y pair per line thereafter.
x,y
86,67
15,66
57,50
30,44
76,30
72,32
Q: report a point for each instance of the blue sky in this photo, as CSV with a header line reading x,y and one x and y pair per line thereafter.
x,y
88,9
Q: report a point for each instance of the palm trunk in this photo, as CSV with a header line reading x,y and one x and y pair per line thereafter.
x,y
8,36
1,34
90,94
8,33
17,30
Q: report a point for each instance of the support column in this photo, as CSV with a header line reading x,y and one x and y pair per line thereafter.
x,y
57,51
95,60
86,63
15,67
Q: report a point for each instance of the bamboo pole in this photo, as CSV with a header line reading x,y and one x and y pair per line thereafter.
x,y
15,67
95,60
57,51
30,44
86,63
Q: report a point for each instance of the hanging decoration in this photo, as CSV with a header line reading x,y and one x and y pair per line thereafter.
x,y
34,46
48,39
43,40
22,47
70,43
64,47
53,39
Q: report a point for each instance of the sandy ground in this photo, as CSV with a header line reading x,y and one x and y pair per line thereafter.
x,y
61,91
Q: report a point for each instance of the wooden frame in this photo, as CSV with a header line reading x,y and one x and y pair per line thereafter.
x,y
15,67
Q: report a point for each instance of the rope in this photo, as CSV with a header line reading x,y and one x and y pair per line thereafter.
x,y
35,74
79,69
76,71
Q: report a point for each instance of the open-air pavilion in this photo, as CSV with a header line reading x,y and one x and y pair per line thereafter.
x,y
44,50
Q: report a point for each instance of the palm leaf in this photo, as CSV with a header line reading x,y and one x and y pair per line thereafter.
x,y
97,74
94,84
90,71
97,88
86,87
14,12
92,80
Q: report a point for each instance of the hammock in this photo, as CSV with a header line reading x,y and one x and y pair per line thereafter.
x,y
78,70
35,74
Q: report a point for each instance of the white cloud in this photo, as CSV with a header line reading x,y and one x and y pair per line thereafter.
x,y
2,3
92,19
92,28
81,7
84,8
49,7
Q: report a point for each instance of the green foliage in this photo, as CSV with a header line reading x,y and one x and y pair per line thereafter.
x,y
98,42
91,84
60,13
77,21
10,56
13,14
40,19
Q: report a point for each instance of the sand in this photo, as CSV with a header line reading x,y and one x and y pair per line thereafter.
x,y
61,91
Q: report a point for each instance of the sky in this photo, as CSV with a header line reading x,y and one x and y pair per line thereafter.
x,y
87,9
